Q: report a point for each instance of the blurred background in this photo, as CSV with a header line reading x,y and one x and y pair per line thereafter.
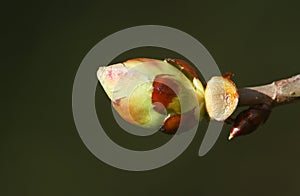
x,y
43,44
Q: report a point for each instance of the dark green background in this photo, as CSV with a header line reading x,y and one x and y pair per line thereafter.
x,y
43,44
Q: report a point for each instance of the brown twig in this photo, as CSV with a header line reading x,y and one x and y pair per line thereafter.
x,y
261,100
277,93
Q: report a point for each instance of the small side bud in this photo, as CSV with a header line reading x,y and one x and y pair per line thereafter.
x,y
249,120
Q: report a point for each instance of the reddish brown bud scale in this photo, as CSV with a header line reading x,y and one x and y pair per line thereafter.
x,y
228,75
183,66
172,123
164,91
249,120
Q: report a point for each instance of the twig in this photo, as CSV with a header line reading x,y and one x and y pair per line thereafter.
x,y
277,93
261,100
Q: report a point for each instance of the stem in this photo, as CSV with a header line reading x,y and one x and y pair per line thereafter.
x,y
261,100
277,93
